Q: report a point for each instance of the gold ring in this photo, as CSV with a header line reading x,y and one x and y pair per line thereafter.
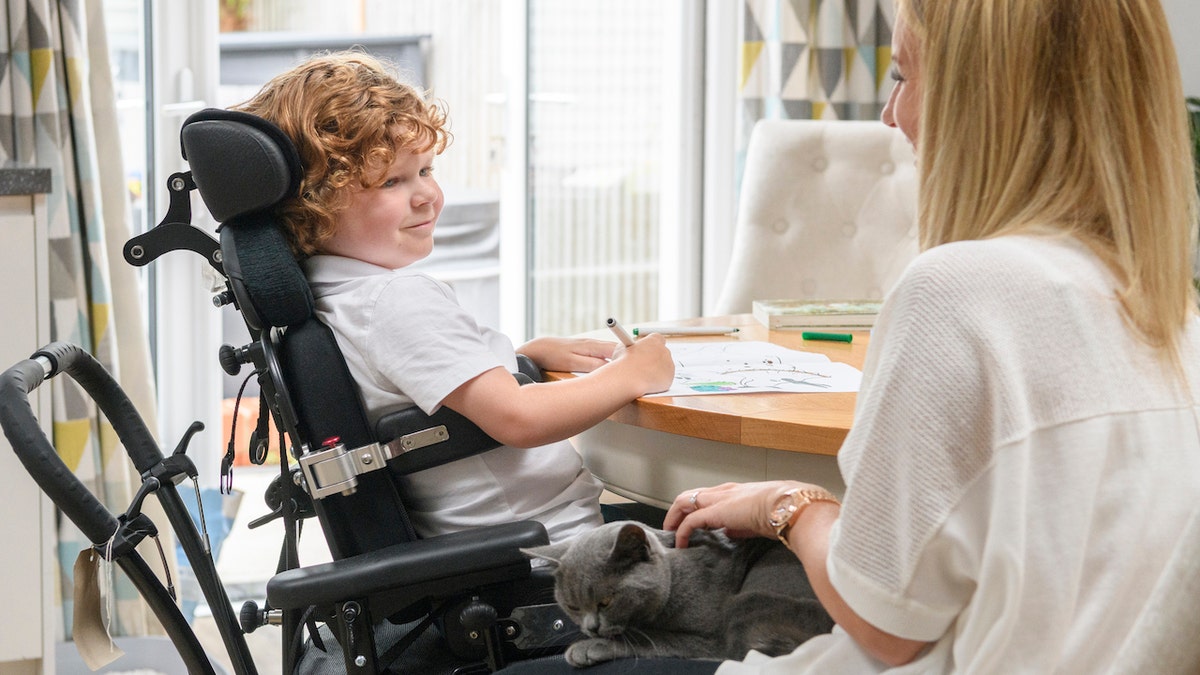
x,y
693,498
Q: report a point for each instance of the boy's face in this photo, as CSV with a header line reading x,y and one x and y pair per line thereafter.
x,y
391,225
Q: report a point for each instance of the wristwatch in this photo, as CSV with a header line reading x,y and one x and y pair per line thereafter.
x,y
787,508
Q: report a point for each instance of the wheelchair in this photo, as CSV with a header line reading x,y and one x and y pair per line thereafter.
x,y
466,602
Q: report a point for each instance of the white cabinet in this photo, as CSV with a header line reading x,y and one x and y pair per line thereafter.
x,y
28,566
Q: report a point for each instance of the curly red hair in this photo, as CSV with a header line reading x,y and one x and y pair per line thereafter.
x,y
348,115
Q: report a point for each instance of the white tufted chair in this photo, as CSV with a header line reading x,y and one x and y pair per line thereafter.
x,y
827,211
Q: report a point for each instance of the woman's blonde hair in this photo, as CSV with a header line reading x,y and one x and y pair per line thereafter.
x,y
348,116
1065,116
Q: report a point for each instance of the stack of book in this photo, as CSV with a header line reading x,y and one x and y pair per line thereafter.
x,y
848,314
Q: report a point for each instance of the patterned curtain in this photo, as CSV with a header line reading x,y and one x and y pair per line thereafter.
x,y
58,111
813,59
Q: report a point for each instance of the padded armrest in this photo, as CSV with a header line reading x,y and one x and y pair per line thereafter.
x,y
531,370
413,563
464,438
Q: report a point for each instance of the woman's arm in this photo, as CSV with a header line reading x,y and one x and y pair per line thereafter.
x,y
743,509
546,412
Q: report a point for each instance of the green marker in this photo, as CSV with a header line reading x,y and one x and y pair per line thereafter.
x,y
831,337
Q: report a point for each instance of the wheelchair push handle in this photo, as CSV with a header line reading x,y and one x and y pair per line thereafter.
x,y
37,453
139,444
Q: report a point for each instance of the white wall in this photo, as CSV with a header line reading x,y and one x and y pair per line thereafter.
x,y
1184,17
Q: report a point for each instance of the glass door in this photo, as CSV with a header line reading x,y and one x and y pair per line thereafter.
x,y
156,87
614,127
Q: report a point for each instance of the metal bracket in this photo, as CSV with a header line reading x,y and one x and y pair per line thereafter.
x,y
419,439
540,626
335,469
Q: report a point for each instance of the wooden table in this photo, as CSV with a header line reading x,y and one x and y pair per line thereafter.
x,y
655,448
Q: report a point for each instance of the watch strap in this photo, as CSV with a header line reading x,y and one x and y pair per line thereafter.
x,y
800,498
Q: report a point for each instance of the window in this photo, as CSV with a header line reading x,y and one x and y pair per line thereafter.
x,y
577,122
611,123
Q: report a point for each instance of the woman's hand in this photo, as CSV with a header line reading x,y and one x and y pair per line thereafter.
x,y
568,355
743,509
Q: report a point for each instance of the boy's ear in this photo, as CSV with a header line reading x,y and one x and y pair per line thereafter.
x,y
551,553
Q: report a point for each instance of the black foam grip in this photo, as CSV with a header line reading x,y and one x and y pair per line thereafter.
x,y
38,456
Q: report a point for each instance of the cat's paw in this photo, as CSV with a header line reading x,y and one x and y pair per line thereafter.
x,y
590,651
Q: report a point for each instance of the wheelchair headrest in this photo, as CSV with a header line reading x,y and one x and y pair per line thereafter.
x,y
241,163
242,166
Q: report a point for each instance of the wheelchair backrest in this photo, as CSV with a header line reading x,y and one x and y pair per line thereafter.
x,y
243,166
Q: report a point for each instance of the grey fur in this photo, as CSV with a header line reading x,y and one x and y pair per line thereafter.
x,y
715,599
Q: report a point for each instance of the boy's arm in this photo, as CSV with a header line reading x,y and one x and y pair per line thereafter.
x,y
546,412
568,355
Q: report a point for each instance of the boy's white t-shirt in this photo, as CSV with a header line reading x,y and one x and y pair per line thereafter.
x,y
1019,469
407,341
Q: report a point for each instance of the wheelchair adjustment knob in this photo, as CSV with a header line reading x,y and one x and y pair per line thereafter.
x,y
479,620
223,298
232,358
477,617
251,617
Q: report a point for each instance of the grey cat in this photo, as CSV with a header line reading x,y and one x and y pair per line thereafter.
x,y
633,594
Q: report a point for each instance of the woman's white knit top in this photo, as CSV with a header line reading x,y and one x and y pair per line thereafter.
x,y
1019,469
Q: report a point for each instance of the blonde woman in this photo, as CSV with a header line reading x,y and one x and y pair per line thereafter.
x,y
1026,446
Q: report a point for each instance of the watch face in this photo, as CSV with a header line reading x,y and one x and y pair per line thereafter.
x,y
783,510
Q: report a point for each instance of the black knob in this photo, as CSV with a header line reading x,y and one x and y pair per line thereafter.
x,y
231,360
477,616
251,617
223,298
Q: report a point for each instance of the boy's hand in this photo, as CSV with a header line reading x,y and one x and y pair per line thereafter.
x,y
568,355
649,360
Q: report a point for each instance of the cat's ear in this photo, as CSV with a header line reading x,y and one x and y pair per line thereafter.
x,y
551,553
632,545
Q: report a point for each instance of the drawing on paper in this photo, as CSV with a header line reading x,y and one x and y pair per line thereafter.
x,y
748,366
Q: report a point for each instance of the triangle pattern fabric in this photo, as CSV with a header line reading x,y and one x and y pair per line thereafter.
x,y
816,51
829,70
883,64
53,96
813,59
751,30
752,77
831,25
794,21
790,55
850,11
797,86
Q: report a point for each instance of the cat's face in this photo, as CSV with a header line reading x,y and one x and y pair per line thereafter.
x,y
611,578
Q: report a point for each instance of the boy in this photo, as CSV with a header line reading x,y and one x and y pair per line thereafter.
x,y
367,208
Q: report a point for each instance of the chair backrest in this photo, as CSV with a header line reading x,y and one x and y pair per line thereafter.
x,y
827,211
243,166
